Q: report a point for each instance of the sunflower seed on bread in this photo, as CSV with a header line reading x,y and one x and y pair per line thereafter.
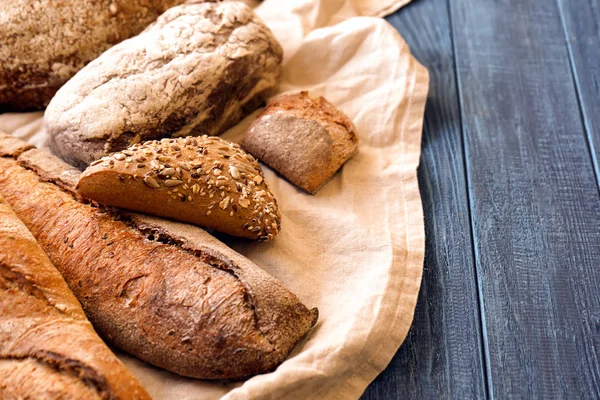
x,y
205,181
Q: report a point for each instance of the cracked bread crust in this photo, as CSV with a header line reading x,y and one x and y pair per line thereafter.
x,y
44,43
48,348
165,292
197,70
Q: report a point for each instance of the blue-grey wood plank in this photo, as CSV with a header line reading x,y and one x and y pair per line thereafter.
x,y
442,355
581,20
534,199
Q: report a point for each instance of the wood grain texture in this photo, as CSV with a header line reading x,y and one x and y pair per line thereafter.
x,y
581,20
442,355
534,199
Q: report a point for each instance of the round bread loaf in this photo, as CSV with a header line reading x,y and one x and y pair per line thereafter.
x,y
204,181
43,43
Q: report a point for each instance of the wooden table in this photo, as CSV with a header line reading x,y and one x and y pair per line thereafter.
x,y
510,301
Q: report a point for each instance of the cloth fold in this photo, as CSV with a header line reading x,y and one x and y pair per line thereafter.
x,y
355,250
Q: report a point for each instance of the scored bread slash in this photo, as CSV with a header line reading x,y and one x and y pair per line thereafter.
x,y
205,181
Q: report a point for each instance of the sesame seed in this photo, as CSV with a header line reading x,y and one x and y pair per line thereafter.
x,y
258,179
234,172
95,163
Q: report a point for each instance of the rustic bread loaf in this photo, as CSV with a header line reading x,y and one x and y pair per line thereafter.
x,y
165,292
48,348
43,43
198,70
204,181
303,138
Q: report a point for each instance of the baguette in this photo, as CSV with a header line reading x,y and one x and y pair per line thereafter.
x,y
205,181
198,70
48,348
43,43
165,292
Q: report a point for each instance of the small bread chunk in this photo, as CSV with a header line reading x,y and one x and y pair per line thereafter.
x,y
205,181
303,138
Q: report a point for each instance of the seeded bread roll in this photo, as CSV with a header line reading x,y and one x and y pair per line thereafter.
x,y
43,43
303,138
166,292
198,70
48,348
204,181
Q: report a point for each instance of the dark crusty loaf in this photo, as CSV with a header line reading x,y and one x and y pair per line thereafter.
x,y
43,43
205,181
198,70
303,138
166,292
48,348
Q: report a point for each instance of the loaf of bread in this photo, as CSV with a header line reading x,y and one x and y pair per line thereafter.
x,y
205,181
303,138
165,292
198,70
43,43
48,348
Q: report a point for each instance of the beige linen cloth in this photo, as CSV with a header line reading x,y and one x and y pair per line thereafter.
x,y
355,250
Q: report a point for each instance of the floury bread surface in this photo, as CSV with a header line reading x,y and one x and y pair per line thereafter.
x,y
198,70
168,293
43,43
48,348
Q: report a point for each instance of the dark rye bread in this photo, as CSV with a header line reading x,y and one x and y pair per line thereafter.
x,y
165,292
43,43
198,70
306,139
205,181
48,348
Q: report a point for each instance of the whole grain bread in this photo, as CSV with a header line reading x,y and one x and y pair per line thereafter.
x,y
166,292
198,70
205,181
305,139
48,348
43,43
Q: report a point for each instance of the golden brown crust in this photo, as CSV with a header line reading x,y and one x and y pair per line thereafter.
x,y
48,349
177,300
305,139
205,181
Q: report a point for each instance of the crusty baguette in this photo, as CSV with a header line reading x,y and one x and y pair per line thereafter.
x,y
48,348
205,181
198,70
43,43
303,138
168,293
